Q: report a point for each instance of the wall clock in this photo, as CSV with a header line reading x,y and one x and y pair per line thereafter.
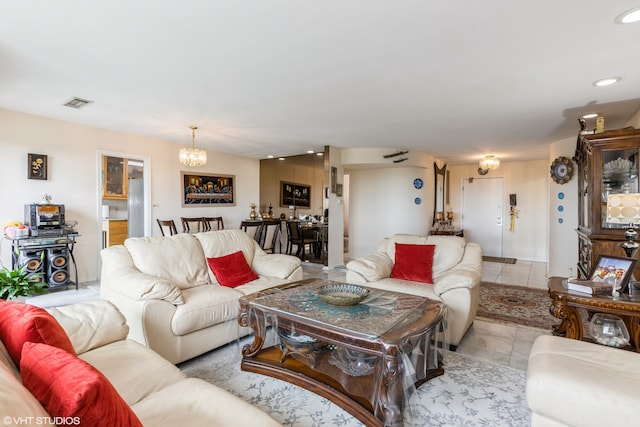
x,y
561,170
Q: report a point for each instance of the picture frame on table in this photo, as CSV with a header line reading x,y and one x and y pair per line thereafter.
x,y
203,189
609,268
37,166
293,194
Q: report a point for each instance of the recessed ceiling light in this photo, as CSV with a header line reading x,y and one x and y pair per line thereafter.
x,y
590,116
320,154
310,151
606,81
630,16
280,158
269,156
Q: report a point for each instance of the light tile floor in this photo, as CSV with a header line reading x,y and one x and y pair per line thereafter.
x,y
494,342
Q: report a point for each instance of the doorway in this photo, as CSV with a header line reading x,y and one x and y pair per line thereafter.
x,y
483,213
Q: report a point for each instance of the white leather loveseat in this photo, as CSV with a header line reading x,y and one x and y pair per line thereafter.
x,y
457,271
156,391
577,383
173,302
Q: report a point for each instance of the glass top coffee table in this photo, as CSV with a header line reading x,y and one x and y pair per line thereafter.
x,y
366,358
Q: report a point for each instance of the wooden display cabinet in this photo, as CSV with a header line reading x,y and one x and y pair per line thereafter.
x,y
114,174
608,163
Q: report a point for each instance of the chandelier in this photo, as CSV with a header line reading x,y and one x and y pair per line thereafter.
x,y
193,156
489,162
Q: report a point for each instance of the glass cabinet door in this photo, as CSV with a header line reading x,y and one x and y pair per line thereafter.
x,y
619,169
115,178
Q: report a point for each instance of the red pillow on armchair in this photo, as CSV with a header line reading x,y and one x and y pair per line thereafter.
x,y
413,262
232,270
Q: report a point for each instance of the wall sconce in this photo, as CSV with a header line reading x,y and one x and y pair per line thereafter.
x,y
488,163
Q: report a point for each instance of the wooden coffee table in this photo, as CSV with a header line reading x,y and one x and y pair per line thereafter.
x,y
356,356
576,308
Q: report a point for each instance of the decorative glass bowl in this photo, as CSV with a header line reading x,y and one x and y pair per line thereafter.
x,y
609,330
342,293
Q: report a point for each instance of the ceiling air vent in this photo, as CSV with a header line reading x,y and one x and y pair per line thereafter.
x,y
76,103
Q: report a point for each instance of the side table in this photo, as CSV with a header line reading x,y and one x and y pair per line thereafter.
x,y
570,307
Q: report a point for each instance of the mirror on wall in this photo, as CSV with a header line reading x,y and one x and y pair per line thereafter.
x,y
439,192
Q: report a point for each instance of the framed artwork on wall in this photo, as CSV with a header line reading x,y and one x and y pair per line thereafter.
x,y
37,166
202,189
292,194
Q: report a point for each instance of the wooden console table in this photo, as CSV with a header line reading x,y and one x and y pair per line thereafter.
x,y
567,306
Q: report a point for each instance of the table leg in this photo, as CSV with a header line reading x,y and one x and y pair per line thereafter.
x,y
256,321
571,326
389,405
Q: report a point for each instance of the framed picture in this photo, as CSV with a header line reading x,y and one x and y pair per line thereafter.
x,y
610,268
37,166
334,178
339,190
292,194
202,189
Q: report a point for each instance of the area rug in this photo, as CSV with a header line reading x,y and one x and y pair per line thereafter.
x,y
516,305
499,259
470,393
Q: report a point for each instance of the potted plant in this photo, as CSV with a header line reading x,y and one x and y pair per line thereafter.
x,y
20,282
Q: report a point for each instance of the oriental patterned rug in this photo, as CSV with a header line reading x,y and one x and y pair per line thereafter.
x,y
516,305
470,393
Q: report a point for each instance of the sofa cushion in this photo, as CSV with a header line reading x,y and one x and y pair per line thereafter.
x,y
449,252
71,388
18,402
178,259
231,270
134,370
205,306
208,405
223,242
91,324
20,323
413,262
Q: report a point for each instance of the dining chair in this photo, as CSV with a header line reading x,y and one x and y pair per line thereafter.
x,y
196,222
297,236
270,235
169,224
252,228
210,221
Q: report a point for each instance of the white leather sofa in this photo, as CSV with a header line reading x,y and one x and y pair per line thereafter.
x,y
157,392
172,301
577,383
457,271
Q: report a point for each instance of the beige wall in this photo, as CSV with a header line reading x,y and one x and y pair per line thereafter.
x,y
73,178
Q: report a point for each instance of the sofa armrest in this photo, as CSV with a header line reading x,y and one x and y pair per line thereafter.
x,y
274,265
91,324
373,267
120,275
466,274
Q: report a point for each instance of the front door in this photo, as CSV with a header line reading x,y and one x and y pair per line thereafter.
x,y
482,213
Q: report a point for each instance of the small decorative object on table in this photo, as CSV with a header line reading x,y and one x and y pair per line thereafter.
x,y
342,293
253,214
608,329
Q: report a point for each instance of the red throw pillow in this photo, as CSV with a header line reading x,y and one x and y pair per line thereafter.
x,y
20,323
232,270
413,262
70,388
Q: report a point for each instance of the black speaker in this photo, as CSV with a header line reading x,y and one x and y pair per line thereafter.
x,y
58,273
33,259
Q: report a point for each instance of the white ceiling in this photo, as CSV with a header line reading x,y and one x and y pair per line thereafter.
x,y
455,79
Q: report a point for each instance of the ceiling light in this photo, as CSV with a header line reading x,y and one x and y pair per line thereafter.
x,y
489,162
270,156
193,156
280,158
320,154
629,16
590,116
606,82
76,102
310,151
